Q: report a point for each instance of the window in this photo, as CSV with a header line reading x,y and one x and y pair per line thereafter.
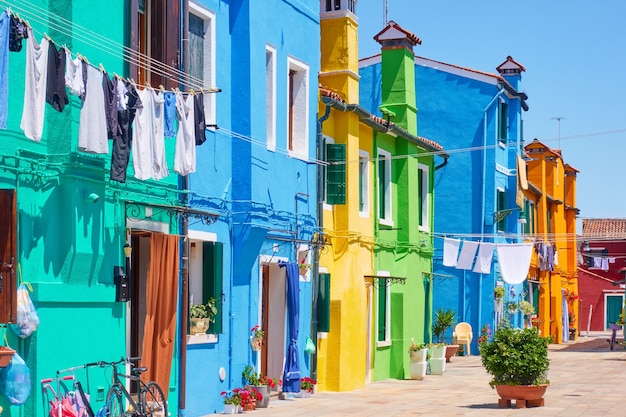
x,y
529,212
503,122
423,193
201,65
205,274
336,173
155,33
383,333
270,97
364,183
501,204
8,253
384,187
298,111
549,219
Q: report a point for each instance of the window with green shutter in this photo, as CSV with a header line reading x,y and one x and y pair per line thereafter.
x,y
212,264
503,122
323,303
336,174
382,310
501,206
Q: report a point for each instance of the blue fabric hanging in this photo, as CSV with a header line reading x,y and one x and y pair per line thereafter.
x,y
565,321
291,375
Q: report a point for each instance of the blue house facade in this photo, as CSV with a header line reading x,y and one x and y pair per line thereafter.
x,y
256,170
477,117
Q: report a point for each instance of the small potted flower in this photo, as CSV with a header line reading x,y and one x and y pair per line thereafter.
x,y
232,401
303,267
256,338
417,360
307,386
249,397
201,316
259,383
485,335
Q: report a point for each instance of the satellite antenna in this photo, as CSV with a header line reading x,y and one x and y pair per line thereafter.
x,y
558,119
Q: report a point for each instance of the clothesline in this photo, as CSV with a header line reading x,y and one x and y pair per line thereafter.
x,y
106,45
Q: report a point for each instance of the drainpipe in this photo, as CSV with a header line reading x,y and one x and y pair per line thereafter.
x,y
184,185
482,223
321,156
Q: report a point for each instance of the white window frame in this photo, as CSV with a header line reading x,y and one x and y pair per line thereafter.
x,y
270,97
387,341
301,109
364,172
196,277
209,59
424,198
388,219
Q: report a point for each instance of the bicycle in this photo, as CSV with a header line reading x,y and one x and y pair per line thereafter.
x,y
150,400
614,328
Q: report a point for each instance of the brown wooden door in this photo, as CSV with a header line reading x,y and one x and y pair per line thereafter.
x,y
8,249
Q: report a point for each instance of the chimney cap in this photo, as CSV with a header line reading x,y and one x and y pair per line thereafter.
x,y
394,32
510,66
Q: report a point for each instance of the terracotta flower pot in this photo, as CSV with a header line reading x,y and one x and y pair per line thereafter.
x,y
6,354
521,392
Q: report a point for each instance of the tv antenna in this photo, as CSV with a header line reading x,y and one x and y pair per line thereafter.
x,y
558,120
385,13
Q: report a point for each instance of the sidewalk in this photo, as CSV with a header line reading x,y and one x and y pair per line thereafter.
x,y
586,379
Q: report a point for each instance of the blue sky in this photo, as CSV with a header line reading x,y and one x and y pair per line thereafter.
x,y
574,53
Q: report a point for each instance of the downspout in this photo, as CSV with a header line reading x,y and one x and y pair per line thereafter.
x,y
184,184
321,156
482,223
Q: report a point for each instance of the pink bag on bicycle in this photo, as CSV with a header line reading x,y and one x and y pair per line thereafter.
x,y
62,408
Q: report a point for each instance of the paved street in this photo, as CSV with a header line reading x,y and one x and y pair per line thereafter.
x,y
586,379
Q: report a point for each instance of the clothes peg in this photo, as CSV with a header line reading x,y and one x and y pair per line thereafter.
x,y
116,76
102,68
162,88
192,92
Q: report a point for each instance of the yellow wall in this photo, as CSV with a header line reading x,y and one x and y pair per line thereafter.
x,y
342,352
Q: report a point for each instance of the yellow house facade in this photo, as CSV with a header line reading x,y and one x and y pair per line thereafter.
x,y
552,217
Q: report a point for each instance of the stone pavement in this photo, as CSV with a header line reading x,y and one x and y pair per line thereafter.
x,y
586,379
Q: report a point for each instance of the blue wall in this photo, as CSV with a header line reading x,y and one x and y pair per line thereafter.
x,y
253,188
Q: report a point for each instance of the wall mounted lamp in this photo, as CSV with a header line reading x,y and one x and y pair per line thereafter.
x,y
128,250
91,198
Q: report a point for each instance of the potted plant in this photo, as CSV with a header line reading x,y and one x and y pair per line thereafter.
x,y
259,383
256,338
498,293
303,267
249,397
201,316
417,356
444,319
485,335
232,401
512,307
517,360
527,310
307,385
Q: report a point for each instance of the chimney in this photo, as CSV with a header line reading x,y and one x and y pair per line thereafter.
x,y
511,71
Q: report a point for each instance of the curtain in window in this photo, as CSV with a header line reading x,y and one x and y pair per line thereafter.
x,y
161,300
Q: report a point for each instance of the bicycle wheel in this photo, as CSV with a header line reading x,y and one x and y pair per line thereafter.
x,y
153,401
84,399
114,402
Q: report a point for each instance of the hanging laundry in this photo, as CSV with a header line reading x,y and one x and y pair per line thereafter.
x,y
556,257
466,258
148,141
18,31
109,89
185,157
128,102
159,167
450,251
5,23
483,261
170,114
56,95
605,264
75,75
514,260
200,121
612,260
92,131
597,262
35,87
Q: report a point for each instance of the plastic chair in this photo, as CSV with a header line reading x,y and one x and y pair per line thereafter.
x,y
462,335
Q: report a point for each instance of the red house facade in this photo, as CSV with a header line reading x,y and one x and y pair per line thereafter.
x,y
601,266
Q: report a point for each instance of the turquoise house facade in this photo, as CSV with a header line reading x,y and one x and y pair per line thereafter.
x,y
477,117
257,170
69,219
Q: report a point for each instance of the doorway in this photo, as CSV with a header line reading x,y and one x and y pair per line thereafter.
x,y
272,315
613,308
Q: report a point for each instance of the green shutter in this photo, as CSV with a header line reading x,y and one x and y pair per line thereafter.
x,y
212,261
502,121
420,195
361,172
323,303
336,174
382,183
502,206
382,309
